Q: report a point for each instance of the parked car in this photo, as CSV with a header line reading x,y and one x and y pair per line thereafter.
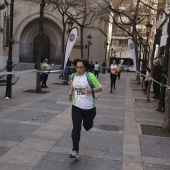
x,y
131,68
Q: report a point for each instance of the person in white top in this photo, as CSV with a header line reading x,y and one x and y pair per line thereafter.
x,y
113,75
96,69
83,104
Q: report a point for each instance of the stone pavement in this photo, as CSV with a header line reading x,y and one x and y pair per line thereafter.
x,y
35,129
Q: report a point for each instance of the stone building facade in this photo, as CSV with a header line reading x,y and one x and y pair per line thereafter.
x,y
26,34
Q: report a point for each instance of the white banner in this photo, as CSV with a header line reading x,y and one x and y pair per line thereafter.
x,y
70,43
132,51
164,35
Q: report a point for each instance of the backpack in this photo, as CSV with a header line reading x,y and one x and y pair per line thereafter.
x,y
89,81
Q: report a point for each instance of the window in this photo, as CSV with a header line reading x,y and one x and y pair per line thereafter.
x,y
123,42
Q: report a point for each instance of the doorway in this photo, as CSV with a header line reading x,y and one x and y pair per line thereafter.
x,y
46,47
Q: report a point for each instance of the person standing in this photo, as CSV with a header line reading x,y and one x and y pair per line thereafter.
x,y
83,104
91,66
157,71
114,69
96,69
147,78
103,67
45,67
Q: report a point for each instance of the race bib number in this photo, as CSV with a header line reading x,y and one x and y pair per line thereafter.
x,y
79,93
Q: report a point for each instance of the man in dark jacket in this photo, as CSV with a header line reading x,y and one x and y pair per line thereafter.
x,y
157,71
91,67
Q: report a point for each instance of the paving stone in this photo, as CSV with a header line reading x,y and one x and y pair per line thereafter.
x,y
36,144
6,166
8,143
109,121
46,134
113,156
150,115
49,106
132,158
100,141
156,167
27,115
59,149
3,150
111,112
111,103
15,132
158,147
55,127
132,166
63,162
22,157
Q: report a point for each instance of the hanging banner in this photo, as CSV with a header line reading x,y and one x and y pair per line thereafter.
x,y
132,51
70,43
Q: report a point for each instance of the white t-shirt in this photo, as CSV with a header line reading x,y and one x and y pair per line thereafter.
x,y
96,67
113,67
80,83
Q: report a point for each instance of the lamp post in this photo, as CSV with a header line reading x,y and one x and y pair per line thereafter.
x,y
106,45
121,50
9,61
112,52
148,30
2,6
70,24
89,43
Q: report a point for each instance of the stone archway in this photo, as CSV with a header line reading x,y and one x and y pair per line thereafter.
x,y
29,42
45,47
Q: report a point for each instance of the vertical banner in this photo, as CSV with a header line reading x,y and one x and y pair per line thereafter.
x,y
70,43
132,51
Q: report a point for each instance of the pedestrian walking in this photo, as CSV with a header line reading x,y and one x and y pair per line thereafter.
x,y
83,104
96,69
114,69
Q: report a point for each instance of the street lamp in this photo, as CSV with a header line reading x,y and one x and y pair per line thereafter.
x,y
112,52
89,43
121,50
148,30
140,50
9,61
70,24
2,6
106,45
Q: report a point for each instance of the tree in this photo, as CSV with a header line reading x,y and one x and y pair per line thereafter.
x,y
63,7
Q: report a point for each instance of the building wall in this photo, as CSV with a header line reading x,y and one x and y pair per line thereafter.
x,y
26,28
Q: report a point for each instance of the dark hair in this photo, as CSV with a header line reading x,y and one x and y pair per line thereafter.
x,y
85,62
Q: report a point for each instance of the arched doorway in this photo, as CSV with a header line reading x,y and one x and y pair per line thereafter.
x,y
46,47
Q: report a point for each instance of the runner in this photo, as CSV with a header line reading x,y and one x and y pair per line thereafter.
x,y
83,105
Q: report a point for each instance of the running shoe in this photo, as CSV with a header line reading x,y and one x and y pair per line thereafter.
x,y
74,154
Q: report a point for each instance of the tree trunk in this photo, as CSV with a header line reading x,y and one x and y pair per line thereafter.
x,y
166,124
148,91
38,85
81,36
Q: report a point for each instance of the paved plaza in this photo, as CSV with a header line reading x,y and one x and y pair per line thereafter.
x,y
35,129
